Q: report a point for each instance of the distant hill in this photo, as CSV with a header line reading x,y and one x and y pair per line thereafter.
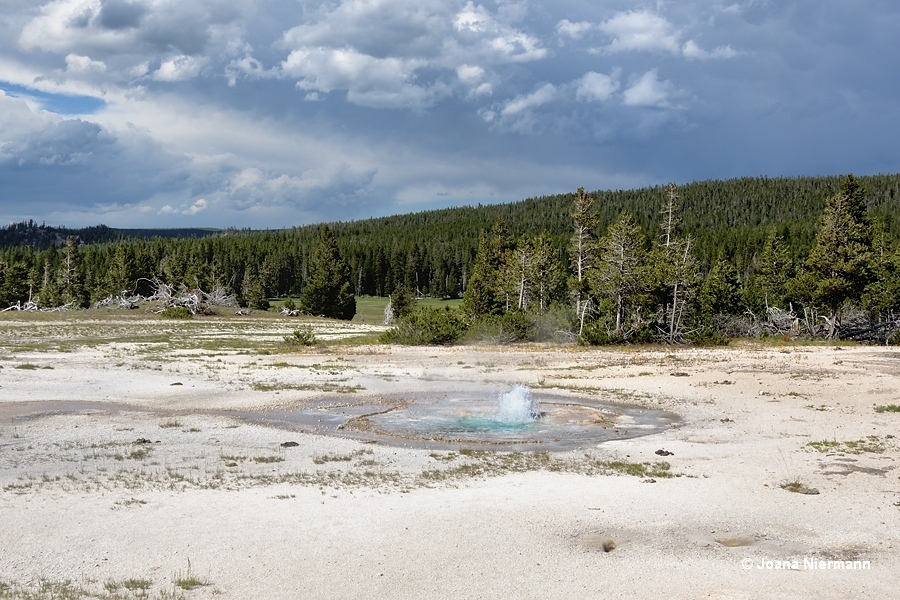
x,y
729,218
40,236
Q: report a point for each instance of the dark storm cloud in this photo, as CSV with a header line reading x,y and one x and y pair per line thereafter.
x,y
115,14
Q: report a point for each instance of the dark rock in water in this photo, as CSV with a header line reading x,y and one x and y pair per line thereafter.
x,y
662,452
289,444
176,383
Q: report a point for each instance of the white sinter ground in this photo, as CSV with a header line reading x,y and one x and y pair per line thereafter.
x,y
140,491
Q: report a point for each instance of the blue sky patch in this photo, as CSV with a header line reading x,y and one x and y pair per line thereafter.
x,y
62,104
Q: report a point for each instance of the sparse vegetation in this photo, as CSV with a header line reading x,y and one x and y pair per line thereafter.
x,y
188,580
870,444
176,312
890,408
127,589
268,459
304,336
797,486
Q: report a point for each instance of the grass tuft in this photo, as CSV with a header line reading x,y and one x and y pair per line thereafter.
x,y
268,459
188,580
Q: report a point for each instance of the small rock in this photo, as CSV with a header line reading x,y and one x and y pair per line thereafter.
x,y
662,452
231,464
680,374
142,441
648,481
176,383
609,545
289,444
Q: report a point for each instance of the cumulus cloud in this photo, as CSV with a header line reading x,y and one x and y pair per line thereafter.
x,y
522,113
369,81
83,64
640,30
472,76
249,67
327,69
649,91
574,31
645,31
404,54
597,87
484,34
691,49
179,68
540,97
187,209
123,33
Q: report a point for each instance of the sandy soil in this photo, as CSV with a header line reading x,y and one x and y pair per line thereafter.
x,y
139,473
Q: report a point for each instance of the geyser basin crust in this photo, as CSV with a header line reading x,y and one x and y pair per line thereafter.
x,y
511,419
492,419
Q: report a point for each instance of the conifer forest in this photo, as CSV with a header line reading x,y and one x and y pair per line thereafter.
x,y
702,262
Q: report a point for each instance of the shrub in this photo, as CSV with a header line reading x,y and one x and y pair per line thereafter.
x,y
176,312
598,334
403,302
301,337
427,327
514,326
708,336
556,324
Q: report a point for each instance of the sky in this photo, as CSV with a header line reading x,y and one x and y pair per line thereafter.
x,y
274,113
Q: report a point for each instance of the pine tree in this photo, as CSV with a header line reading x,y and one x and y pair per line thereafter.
x,y
483,295
121,276
15,285
329,290
881,298
720,293
673,270
582,250
548,278
72,275
768,286
620,274
839,263
402,302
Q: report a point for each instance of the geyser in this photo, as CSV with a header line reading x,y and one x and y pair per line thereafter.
x,y
518,406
